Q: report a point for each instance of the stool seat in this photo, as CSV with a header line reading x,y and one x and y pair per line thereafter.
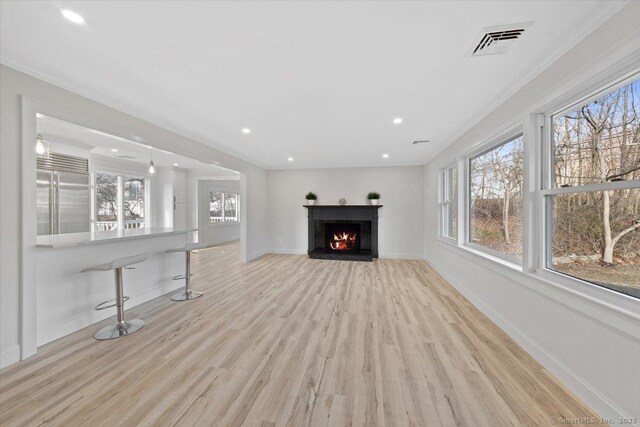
x,y
118,263
189,247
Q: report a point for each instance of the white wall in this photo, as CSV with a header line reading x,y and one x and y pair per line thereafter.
x,y
64,104
400,219
162,197
179,199
587,336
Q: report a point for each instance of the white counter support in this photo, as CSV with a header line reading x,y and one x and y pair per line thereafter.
x,y
66,297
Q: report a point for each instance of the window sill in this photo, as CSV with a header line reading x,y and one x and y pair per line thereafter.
x,y
223,224
450,243
448,240
505,261
602,295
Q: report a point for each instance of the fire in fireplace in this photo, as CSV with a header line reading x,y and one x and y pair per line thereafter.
x,y
342,237
343,241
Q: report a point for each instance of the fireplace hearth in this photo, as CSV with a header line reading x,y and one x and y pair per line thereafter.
x,y
348,233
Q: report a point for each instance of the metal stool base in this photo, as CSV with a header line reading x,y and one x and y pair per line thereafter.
x,y
116,330
186,296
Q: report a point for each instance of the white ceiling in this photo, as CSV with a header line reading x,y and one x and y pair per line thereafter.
x,y
100,143
317,81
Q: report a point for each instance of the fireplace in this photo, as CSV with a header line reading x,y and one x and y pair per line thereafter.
x,y
343,232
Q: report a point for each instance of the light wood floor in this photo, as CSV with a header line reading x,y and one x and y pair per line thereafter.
x,y
286,340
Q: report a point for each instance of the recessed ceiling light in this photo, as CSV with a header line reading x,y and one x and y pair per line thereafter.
x,y
115,150
385,156
246,130
72,16
289,159
397,120
175,164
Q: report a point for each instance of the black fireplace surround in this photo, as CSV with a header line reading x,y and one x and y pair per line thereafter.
x,y
347,233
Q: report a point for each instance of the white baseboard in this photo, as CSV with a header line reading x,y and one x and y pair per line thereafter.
x,y
400,256
288,251
10,356
381,255
582,388
215,242
58,331
258,254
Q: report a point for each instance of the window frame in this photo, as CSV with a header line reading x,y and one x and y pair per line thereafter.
x,y
500,139
120,220
546,188
224,196
443,202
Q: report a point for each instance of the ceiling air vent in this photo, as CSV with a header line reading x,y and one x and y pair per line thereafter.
x,y
496,40
126,157
420,141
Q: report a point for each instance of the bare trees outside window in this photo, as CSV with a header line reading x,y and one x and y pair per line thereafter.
x,y
215,206
449,202
223,207
120,202
495,214
596,225
107,206
230,206
134,201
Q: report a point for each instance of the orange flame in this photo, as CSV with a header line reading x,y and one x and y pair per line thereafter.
x,y
343,241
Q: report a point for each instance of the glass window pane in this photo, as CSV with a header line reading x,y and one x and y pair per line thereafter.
x,y
215,206
133,202
453,197
450,196
600,141
496,198
453,220
106,202
230,204
590,248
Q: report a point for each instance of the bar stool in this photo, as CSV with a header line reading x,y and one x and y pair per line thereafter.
x,y
122,327
188,293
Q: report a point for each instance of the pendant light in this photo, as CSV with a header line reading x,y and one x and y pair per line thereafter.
x,y
42,148
152,167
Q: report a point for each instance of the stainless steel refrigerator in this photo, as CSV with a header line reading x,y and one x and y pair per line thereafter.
x,y
63,195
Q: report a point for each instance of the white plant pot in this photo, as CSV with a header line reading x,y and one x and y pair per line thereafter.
x,y
311,202
373,201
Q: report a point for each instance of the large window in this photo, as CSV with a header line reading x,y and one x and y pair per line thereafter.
x,y
449,202
583,209
223,207
119,202
495,199
592,192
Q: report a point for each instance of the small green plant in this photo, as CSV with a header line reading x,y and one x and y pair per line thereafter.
x,y
373,196
311,196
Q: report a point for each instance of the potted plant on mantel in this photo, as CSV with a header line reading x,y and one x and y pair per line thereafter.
x,y
373,197
311,198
